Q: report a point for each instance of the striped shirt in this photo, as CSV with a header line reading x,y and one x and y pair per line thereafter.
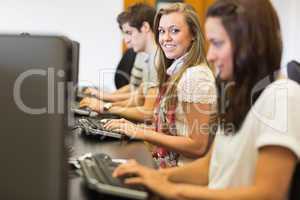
x,y
136,76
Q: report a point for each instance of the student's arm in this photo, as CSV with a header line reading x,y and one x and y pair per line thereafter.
x,y
195,172
136,98
123,89
162,182
122,93
138,113
195,145
274,170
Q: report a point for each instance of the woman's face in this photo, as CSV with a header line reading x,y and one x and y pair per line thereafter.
x,y
174,35
220,48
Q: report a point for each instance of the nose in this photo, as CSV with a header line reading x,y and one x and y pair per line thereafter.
x,y
126,40
166,36
210,56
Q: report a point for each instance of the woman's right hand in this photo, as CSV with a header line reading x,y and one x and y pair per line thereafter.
x,y
153,179
92,91
92,103
125,127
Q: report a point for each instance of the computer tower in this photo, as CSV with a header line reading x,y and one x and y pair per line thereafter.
x,y
34,74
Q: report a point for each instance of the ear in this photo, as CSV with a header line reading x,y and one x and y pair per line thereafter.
x,y
146,27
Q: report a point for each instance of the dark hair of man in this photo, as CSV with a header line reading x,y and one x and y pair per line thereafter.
x,y
136,15
254,30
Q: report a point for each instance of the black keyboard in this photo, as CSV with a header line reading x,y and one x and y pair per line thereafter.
x,y
82,111
88,112
97,171
95,127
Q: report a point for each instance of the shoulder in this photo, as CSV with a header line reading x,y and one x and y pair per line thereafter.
x,y
197,85
277,113
280,90
202,68
198,72
277,109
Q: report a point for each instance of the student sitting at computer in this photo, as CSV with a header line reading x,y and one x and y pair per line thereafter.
x,y
136,23
258,143
187,97
136,74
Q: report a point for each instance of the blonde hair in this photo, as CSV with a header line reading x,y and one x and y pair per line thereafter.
x,y
195,54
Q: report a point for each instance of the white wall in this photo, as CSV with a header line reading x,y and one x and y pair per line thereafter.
x,y
289,15
92,23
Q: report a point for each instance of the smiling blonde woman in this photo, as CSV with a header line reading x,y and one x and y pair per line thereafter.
x,y
187,93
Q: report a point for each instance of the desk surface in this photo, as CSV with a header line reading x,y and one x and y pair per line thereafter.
x,y
114,148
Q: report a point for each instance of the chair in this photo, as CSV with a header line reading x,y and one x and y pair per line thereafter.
x,y
124,67
295,185
293,71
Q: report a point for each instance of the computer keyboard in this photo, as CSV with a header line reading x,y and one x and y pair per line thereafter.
x,y
97,171
88,112
84,112
95,127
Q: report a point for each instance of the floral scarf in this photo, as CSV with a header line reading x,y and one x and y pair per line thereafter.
x,y
164,122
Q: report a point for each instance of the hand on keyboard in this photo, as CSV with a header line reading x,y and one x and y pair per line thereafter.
x,y
92,103
155,180
94,127
97,171
93,123
125,127
91,92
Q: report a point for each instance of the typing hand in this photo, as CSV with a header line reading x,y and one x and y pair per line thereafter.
x,y
125,127
92,92
92,103
154,180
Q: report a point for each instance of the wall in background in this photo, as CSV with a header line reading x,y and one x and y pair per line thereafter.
x,y
289,14
92,23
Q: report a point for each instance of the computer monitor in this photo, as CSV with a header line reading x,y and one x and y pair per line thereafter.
x,y
74,54
75,64
34,71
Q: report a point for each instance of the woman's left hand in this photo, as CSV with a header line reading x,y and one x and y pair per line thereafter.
x,y
153,179
125,127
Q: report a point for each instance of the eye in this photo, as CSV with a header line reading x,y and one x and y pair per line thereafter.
x,y
161,31
174,30
127,32
217,44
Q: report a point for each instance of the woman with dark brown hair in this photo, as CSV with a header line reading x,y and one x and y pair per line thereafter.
x,y
257,143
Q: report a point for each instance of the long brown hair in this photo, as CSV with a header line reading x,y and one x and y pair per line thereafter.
x,y
195,56
254,31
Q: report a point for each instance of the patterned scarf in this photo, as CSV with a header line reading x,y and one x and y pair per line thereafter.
x,y
164,122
